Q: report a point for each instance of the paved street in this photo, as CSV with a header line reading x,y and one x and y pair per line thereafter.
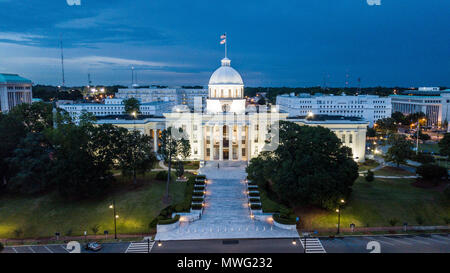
x,y
352,244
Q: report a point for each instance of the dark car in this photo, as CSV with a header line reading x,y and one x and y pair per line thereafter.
x,y
94,246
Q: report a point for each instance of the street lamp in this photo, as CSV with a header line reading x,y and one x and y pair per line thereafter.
x,y
418,133
113,207
338,210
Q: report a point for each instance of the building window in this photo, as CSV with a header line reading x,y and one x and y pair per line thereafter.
x,y
208,152
343,138
243,151
350,140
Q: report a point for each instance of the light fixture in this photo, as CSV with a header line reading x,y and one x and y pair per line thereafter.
x,y
159,243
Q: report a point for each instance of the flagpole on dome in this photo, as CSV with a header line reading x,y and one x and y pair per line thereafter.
x,y
226,38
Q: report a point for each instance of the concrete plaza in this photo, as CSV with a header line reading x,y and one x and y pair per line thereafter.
x,y
226,214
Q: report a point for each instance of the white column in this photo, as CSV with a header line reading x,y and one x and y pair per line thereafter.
x,y
221,142
155,140
211,143
239,136
230,142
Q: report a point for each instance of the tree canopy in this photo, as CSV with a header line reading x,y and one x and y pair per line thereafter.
x,y
400,150
310,167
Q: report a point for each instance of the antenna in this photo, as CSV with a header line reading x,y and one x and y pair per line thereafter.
x,y
132,76
89,79
62,60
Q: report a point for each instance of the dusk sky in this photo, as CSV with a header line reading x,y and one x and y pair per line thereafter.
x,y
271,43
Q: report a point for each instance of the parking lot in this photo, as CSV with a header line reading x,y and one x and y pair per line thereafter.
x,y
389,244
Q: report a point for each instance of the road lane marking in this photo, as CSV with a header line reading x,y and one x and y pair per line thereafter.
x,y
417,241
49,250
435,240
15,250
379,240
397,240
64,248
32,250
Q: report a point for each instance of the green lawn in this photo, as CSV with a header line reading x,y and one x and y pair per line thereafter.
x,y
392,171
375,203
43,216
429,148
368,165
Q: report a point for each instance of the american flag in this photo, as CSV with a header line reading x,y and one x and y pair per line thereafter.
x,y
224,39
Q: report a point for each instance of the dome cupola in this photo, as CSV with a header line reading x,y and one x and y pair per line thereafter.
x,y
226,82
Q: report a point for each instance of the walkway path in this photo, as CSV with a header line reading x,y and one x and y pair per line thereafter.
x,y
226,214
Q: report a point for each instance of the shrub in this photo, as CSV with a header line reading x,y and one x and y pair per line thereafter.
x,y
95,228
420,220
197,194
169,221
369,176
18,232
423,158
1,247
200,183
167,212
255,206
291,220
201,177
254,194
393,222
153,223
199,187
446,220
197,206
432,173
251,183
253,200
197,199
179,207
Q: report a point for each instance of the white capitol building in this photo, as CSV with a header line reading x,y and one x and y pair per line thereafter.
x,y
226,128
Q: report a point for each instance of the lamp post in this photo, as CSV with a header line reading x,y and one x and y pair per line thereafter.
x,y
418,133
113,206
338,210
134,114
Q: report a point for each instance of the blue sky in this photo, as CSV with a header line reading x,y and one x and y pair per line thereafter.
x,y
271,43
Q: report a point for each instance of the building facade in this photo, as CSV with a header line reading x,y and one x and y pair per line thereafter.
x,y
433,102
227,129
14,90
369,107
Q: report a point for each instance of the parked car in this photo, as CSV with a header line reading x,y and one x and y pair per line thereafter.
x,y
94,246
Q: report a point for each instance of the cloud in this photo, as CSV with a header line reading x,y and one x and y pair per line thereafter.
x,y
19,37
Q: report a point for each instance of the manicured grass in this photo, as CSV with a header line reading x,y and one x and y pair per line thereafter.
x,y
429,148
368,165
44,215
392,171
375,203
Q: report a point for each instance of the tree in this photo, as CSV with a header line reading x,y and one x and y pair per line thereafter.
x,y
36,116
171,147
12,130
33,162
310,166
400,150
262,101
80,171
371,132
414,117
398,117
135,154
369,176
444,145
432,173
132,105
386,126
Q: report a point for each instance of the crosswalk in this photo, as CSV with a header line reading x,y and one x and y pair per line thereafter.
x,y
140,247
313,245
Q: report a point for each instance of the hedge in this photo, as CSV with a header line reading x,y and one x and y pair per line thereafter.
x,y
254,194
197,199
169,221
197,194
197,206
255,206
200,182
1,247
285,221
257,200
199,187
201,177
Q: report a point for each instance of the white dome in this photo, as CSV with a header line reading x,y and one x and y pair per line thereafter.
x,y
225,74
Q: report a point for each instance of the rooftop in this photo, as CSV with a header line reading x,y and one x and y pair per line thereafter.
x,y
13,78
328,119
